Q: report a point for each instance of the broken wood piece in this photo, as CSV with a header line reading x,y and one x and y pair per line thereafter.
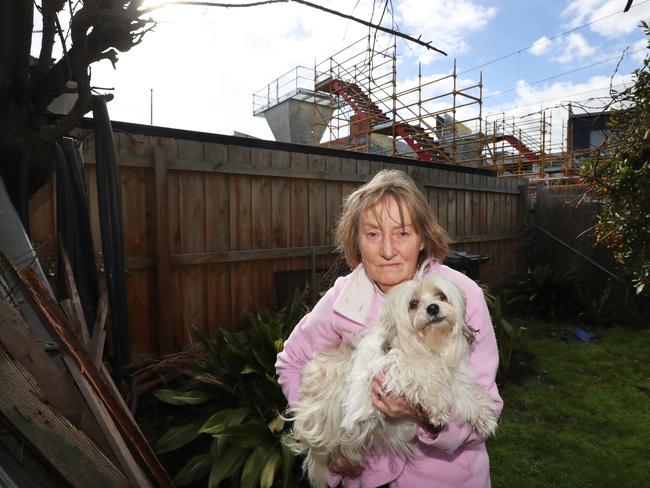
x,y
106,423
47,432
22,346
73,295
96,344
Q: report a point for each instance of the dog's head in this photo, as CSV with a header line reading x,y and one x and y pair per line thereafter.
x,y
429,312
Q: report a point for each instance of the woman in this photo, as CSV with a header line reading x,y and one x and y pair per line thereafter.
x,y
386,232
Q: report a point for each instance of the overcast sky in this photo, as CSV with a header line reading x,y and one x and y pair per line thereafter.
x,y
203,64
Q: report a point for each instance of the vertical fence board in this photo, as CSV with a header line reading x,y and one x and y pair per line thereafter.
x,y
299,208
240,234
192,237
162,272
217,224
261,231
317,204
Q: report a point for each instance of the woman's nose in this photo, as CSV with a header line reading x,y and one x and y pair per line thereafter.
x,y
387,249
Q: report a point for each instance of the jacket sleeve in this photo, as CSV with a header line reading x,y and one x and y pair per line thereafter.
x,y
314,333
483,360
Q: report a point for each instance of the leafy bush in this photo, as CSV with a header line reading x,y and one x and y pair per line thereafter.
x,y
546,292
506,333
237,406
620,178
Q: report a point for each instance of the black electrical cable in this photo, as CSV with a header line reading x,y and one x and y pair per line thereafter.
x,y
74,229
110,218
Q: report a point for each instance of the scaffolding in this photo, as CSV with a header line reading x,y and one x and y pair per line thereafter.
x,y
358,104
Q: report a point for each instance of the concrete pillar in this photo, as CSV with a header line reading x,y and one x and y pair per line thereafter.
x,y
297,122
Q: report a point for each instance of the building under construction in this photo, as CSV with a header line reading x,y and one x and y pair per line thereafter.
x,y
354,101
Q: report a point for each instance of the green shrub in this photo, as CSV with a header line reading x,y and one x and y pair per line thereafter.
x,y
546,292
619,178
237,406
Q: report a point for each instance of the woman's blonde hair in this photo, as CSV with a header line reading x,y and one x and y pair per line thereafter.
x,y
400,186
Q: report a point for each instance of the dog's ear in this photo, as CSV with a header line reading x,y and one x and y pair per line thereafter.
x,y
396,309
456,299
469,334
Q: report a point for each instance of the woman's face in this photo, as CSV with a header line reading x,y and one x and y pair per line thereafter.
x,y
389,250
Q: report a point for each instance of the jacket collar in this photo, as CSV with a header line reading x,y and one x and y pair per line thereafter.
x,y
355,300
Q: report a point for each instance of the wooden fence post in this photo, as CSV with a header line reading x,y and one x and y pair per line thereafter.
x,y
161,236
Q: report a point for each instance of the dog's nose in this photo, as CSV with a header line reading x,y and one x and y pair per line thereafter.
x,y
433,309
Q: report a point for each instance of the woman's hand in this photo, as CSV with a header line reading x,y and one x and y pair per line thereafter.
x,y
391,405
397,406
345,468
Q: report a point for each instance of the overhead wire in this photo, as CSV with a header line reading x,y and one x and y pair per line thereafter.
x,y
537,82
539,102
557,36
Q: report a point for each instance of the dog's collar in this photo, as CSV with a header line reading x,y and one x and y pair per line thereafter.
x,y
355,299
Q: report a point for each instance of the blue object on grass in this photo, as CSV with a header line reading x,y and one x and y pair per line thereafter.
x,y
583,335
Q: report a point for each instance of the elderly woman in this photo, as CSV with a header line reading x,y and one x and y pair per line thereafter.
x,y
387,231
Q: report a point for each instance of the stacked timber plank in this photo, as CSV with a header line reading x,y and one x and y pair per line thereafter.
x,y
65,421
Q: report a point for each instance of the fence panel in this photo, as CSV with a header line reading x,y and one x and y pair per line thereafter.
x,y
214,229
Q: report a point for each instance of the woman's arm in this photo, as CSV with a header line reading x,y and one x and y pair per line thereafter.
x,y
315,332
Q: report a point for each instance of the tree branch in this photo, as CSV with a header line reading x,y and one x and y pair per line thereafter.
x,y
210,4
49,11
374,26
302,2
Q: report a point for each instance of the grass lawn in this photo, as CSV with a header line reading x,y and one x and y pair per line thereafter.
x,y
576,414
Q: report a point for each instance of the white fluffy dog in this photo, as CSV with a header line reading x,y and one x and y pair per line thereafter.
x,y
421,343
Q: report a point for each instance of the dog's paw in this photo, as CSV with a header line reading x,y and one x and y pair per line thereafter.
x,y
436,416
486,423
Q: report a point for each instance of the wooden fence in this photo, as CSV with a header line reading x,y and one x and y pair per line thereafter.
x,y
565,240
212,223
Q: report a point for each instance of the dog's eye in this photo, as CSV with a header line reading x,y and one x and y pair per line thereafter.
x,y
442,297
413,304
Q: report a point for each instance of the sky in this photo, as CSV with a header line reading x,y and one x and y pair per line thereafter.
x,y
200,65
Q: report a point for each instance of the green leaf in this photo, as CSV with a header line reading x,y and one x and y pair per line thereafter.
x,y
207,344
279,345
263,347
208,378
226,460
177,437
195,469
288,460
224,419
277,424
249,369
251,434
250,475
267,475
174,397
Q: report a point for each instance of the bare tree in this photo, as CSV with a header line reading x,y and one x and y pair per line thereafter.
x,y
96,30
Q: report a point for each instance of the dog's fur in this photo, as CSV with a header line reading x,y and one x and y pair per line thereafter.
x,y
421,343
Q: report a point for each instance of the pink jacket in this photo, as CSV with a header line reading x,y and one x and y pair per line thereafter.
x,y
456,457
